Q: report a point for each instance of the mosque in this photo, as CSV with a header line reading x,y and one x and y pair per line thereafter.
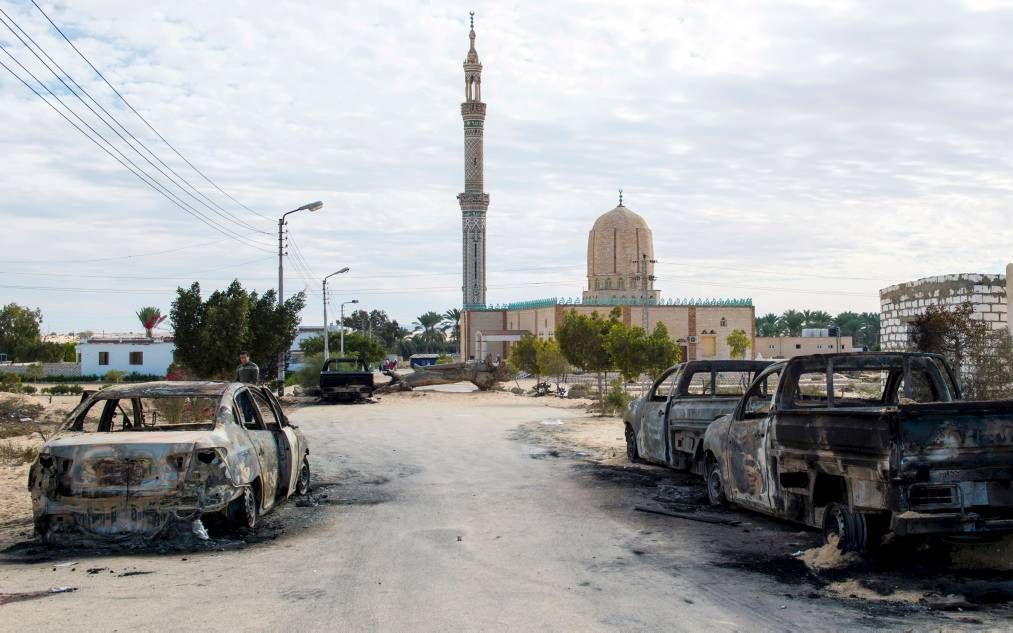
x,y
620,269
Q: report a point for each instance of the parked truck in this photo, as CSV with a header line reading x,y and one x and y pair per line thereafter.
x,y
864,444
667,424
345,380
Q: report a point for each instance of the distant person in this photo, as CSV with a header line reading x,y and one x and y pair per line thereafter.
x,y
247,371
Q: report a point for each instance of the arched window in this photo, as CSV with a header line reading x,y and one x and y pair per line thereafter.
x,y
724,322
619,283
608,284
596,284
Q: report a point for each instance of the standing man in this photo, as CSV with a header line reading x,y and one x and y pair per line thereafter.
x,y
247,371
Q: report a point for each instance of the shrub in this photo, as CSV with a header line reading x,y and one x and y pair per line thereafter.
x,y
617,399
10,383
29,389
13,454
34,372
114,376
444,359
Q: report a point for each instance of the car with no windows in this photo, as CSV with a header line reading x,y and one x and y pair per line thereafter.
x,y
131,460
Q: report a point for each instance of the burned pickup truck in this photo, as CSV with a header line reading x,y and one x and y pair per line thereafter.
x,y
667,424
132,460
345,380
863,444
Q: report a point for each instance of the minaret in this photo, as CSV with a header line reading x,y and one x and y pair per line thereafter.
x,y
474,201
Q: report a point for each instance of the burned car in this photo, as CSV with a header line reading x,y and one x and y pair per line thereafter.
x,y
864,444
667,424
131,460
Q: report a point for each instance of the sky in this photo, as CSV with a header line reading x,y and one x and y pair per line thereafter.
x,y
802,154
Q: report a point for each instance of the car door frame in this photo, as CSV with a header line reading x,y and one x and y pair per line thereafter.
x,y
746,448
293,443
258,437
652,436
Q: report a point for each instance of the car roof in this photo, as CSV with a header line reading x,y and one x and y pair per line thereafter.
x,y
164,388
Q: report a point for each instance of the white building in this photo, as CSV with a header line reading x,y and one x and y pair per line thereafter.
x,y
128,353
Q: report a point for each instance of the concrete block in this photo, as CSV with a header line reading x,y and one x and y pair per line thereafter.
x,y
991,316
979,289
1000,307
978,307
991,299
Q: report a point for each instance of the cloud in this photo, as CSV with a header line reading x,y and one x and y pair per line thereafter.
x,y
802,153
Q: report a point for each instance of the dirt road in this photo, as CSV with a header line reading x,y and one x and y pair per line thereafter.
x,y
477,512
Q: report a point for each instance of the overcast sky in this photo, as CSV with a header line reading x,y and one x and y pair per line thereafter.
x,y
803,154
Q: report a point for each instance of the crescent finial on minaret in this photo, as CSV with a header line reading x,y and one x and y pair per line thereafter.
x,y
472,14
620,196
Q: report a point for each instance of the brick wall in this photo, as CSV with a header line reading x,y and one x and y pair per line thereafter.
x,y
901,303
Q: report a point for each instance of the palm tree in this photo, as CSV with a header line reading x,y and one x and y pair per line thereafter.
x,y
427,323
791,323
817,318
767,325
452,319
150,318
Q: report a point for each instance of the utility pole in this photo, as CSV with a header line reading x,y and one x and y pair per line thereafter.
x,y
643,278
327,347
283,354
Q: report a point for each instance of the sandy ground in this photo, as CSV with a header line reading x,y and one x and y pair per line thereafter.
x,y
490,511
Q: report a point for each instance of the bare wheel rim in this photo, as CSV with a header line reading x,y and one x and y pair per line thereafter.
x,y
304,477
834,525
631,444
714,485
250,507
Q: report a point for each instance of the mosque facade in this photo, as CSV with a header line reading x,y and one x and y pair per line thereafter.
x,y
620,270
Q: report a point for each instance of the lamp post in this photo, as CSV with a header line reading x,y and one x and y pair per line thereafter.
x,y
312,206
327,349
343,323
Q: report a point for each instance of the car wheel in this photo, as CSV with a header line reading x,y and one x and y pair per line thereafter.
x,y
302,487
846,529
42,529
243,511
631,446
715,486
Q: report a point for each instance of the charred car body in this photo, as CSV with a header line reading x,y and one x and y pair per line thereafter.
x,y
666,426
131,460
345,380
862,444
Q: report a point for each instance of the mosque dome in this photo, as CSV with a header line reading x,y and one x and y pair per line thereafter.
x,y
617,246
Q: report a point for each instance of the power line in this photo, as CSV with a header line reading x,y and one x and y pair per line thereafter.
x,y
219,211
132,109
109,259
132,167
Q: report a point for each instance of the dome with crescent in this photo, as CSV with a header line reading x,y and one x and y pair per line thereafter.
x,y
620,258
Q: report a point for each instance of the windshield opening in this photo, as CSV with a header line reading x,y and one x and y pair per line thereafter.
x,y
160,413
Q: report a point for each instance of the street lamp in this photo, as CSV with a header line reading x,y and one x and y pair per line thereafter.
x,y
343,323
312,206
327,349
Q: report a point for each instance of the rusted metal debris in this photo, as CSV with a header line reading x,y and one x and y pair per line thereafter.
x,y
688,517
132,461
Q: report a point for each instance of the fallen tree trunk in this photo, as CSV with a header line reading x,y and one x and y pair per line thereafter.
x,y
482,374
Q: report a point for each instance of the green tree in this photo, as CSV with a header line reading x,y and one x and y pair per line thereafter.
x,y
19,330
816,318
524,356
150,317
430,337
791,323
739,343
551,360
452,320
662,351
357,345
210,333
768,325
627,348
582,340
272,330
